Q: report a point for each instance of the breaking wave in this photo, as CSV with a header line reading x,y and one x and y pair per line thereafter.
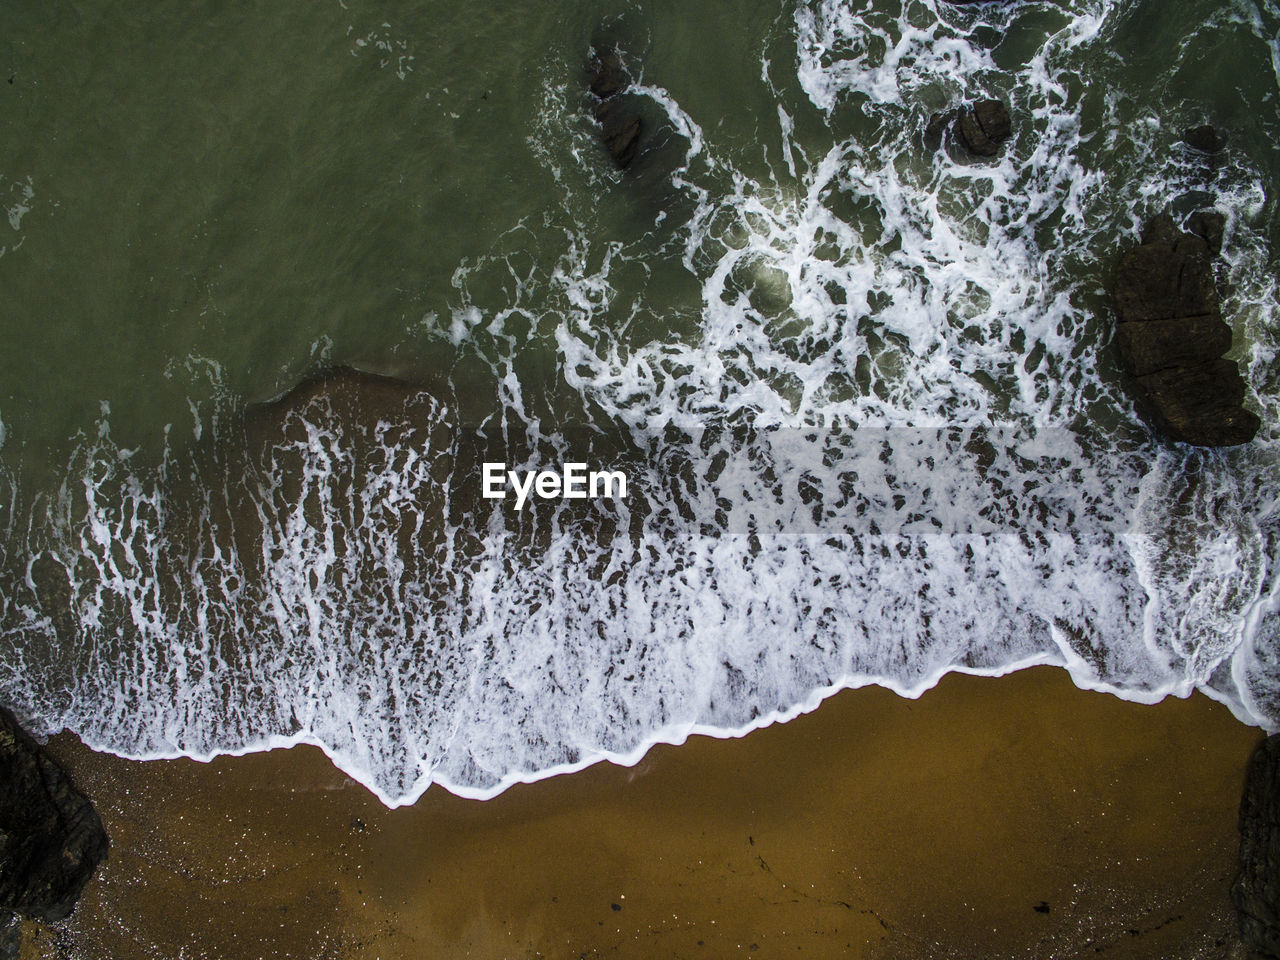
x,y
879,442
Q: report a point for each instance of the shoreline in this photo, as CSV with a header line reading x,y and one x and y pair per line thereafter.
x,y
676,736
1011,816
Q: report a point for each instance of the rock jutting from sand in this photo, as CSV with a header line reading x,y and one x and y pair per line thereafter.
x,y
1172,338
51,839
1256,892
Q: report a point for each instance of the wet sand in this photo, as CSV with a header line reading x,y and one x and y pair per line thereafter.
x,y
1011,817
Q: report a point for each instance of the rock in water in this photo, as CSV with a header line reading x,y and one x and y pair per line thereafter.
x,y
608,77
1208,225
935,128
620,132
1200,404
984,127
1172,338
1161,344
1256,892
1204,138
1166,277
620,124
51,839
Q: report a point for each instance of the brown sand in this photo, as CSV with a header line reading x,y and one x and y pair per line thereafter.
x,y
875,827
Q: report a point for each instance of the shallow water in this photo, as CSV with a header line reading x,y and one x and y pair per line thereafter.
x,y
863,390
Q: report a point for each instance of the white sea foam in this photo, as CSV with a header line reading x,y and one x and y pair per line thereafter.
x,y
21,198
22,195
939,473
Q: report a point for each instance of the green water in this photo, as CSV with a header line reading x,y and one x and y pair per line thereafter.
x,y
263,188
269,187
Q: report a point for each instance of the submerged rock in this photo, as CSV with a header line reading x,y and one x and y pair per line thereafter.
x,y
1256,892
608,76
984,127
1172,338
51,839
1204,138
620,133
935,128
620,123
1208,225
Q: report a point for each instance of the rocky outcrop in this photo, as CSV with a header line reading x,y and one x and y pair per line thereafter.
x,y
984,127
1256,892
1172,338
51,839
1208,225
608,75
620,125
979,129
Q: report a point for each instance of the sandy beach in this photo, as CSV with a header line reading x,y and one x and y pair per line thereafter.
x,y
1010,817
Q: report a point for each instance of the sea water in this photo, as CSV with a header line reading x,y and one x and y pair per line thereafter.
x,y
863,390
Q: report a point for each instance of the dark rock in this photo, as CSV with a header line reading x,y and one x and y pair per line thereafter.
x,y
994,118
1171,338
935,128
620,124
1159,344
51,839
1204,138
1209,226
984,127
608,76
620,132
1256,892
1160,229
1200,404
1159,280
971,135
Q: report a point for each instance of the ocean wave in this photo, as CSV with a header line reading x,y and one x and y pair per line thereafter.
x,y
884,443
